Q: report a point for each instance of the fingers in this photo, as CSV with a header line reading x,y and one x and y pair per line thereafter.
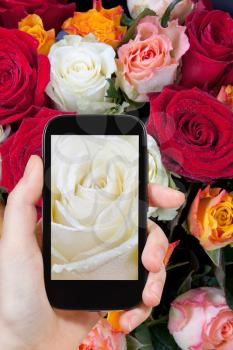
x,y
154,288
131,319
164,197
152,293
155,249
20,213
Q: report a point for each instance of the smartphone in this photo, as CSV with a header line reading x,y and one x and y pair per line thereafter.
x,y
94,211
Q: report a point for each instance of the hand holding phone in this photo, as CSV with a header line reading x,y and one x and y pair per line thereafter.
x,y
36,324
95,211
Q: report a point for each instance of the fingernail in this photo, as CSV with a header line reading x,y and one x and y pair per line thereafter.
x,y
29,167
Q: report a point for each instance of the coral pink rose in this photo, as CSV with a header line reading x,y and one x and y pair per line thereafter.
x,y
102,337
150,61
201,320
210,218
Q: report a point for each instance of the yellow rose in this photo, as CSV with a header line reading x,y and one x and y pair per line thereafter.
x,y
33,25
210,218
104,24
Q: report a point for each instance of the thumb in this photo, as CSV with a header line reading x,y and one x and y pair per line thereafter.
x,y
20,214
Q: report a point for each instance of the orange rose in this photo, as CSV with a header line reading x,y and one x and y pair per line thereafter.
x,y
226,96
104,24
33,25
210,218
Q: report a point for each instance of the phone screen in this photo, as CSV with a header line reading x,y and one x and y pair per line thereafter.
x,y
94,207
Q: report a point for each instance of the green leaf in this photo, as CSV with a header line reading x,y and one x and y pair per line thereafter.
x,y
112,91
133,343
228,282
228,285
130,34
133,105
144,337
187,284
215,256
126,21
172,267
167,14
162,340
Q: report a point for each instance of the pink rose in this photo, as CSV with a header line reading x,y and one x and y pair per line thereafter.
x,y
150,61
201,320
103,337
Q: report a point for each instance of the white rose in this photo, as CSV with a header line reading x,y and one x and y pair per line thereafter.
x,y
94,207
158,175
80,68
180,11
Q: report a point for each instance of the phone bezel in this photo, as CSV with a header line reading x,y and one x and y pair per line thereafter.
x,y
95,294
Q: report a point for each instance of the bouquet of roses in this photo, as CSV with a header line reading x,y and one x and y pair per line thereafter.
x,y
177,57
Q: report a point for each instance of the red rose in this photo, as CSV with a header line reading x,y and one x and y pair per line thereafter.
x,y
52,12
18,148
23,75
209,62
194,132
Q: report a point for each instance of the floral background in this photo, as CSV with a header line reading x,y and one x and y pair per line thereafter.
x,y
171,64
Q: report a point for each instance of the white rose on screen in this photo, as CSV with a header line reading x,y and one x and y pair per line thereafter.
x,y
80,68
94,207
158,175
180,11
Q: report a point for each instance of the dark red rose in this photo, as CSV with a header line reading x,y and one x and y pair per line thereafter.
x,y
52,12
194,132
208,64
18,148
23,75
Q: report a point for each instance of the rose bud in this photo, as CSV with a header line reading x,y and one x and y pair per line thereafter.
x,y
180,11
226,96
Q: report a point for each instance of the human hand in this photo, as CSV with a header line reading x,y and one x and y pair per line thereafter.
x,y
27,321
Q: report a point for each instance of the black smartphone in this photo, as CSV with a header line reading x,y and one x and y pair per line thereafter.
x,y
94,211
